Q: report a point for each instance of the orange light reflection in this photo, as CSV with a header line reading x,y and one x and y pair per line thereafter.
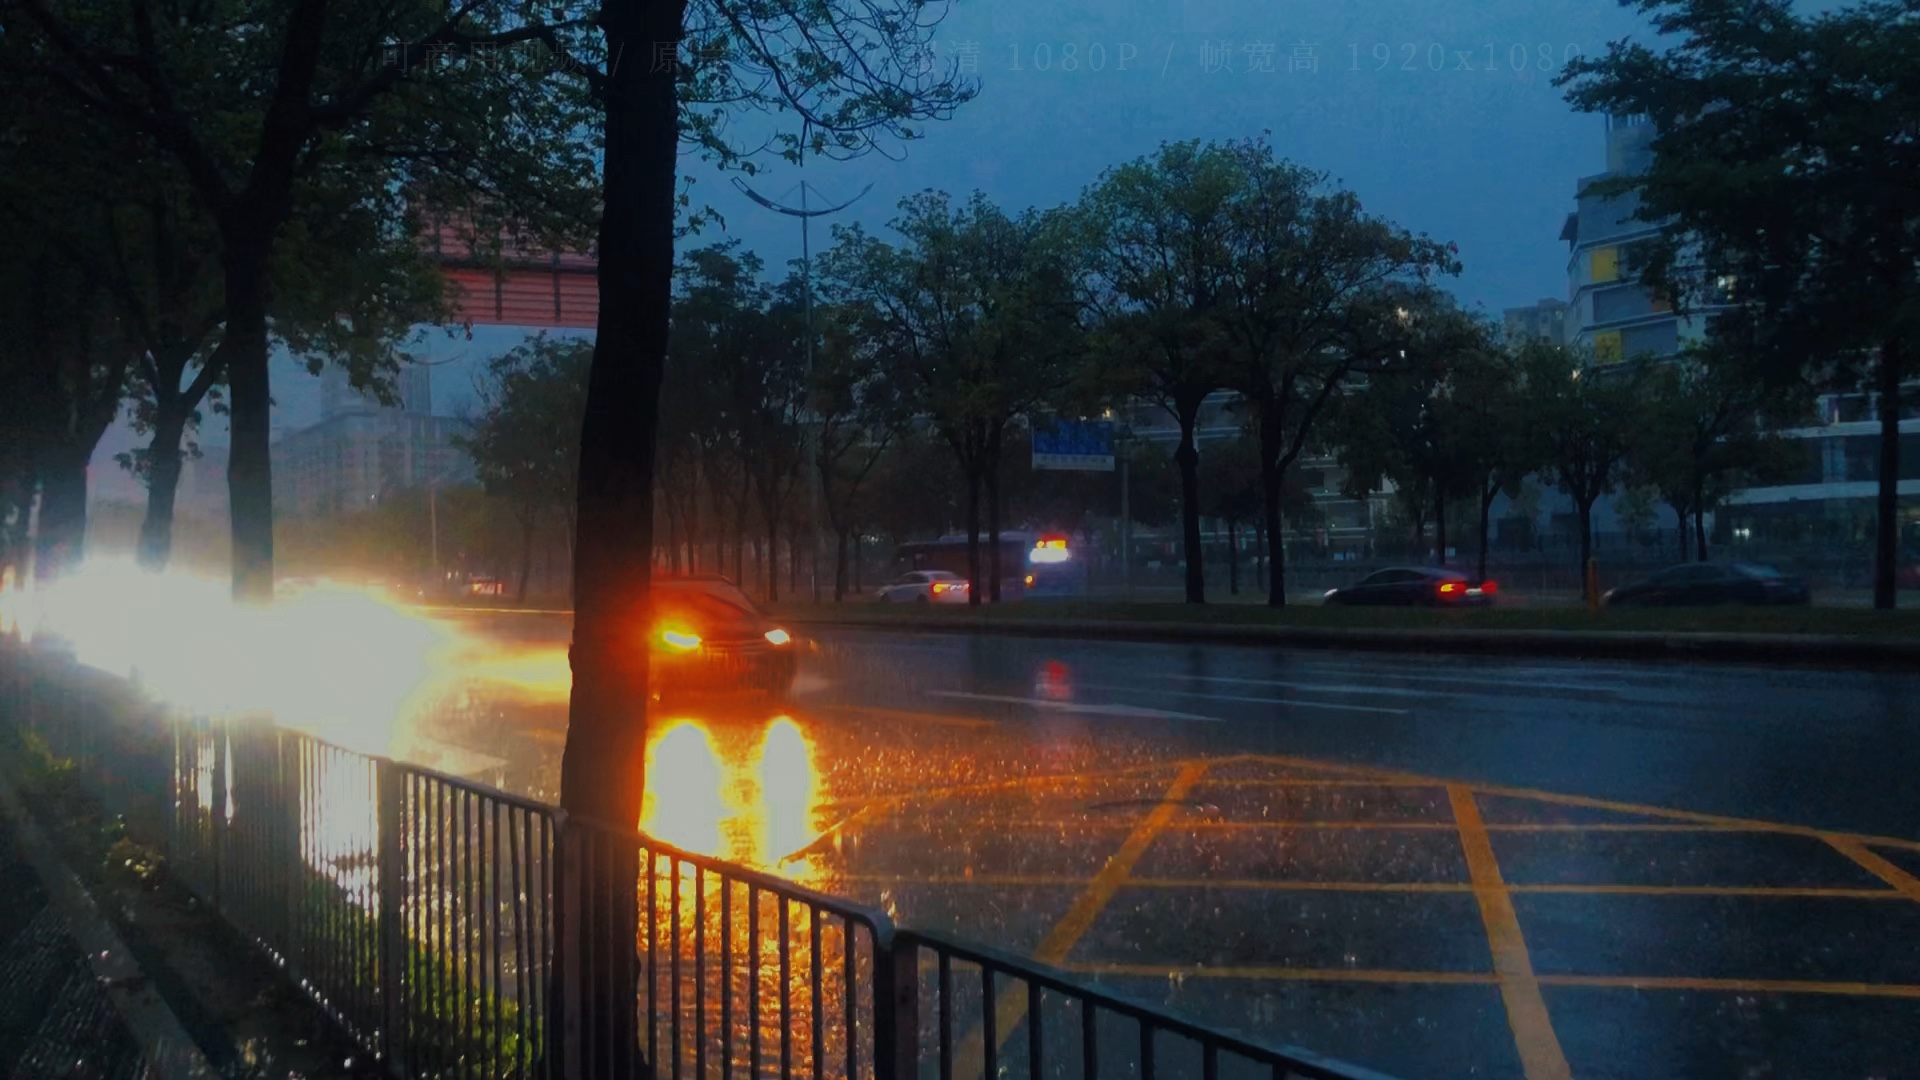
x,y
756,807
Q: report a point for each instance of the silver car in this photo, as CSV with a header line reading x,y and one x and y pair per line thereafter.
x,y
924,587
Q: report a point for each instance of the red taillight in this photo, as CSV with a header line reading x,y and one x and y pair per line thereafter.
x,y
1450,588
1488,588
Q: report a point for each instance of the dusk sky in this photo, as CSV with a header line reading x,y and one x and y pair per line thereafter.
x,y
1441,117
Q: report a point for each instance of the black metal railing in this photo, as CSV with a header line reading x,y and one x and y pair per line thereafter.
x,y
450,928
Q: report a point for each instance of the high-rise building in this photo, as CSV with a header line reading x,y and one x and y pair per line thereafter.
x,y
1545,320
360,452
1609,310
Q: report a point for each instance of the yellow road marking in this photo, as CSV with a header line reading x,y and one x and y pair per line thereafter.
x,y
1738,986
1043,881
1157,971
1873,863
1080,918
1533,1034
1479,978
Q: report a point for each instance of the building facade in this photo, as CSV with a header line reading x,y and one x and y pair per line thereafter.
x,y
361,452
1545,320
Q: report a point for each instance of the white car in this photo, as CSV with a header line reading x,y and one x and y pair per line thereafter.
x,y
924,586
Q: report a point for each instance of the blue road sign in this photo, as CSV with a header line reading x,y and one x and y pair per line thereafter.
x,y
1073,445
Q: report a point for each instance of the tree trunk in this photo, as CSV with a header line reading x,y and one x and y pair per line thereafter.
x,y
994,569
973,537
1586,545
242,354
1700,523
1233,558
859,561
1188,458
773,559
1886,527
840,565
1259,550
526,559
602,773
1486,514
1272,485
164,464
63,513
793,564
1439,525
1680,516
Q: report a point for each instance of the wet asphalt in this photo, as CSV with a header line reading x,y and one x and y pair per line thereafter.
x,y
1429,866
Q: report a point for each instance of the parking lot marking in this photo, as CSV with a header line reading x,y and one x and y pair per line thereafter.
x,y
1736,986
1872,862
1052,881
1480,978
1079,919
1366,975
1533,1034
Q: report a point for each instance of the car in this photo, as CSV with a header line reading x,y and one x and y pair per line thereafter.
x,y
1700,584
708,637
1414,586
924,586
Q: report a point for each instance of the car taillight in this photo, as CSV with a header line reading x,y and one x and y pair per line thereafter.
x,y
941,588
1488,588
1450,588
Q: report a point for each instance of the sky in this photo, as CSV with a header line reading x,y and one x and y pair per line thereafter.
x,y
1440,116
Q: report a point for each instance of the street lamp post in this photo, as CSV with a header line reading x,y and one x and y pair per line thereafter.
x,y
815,486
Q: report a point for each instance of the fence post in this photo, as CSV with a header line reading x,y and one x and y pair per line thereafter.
x,y
219,845
896,1008
390,793
564,1052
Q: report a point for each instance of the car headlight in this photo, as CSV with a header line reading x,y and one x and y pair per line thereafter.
x,y
680,639
778,636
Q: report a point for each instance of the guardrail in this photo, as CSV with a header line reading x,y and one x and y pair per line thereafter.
x,y
451,929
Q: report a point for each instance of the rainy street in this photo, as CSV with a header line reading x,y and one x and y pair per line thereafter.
x,y
1428,866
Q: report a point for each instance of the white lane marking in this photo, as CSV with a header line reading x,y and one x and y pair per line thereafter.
x,y
1076,706
1294,702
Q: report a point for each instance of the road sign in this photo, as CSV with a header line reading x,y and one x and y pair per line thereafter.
x,y
1073,445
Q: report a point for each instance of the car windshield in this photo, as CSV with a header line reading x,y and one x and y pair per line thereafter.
x,y
1755,570
719,599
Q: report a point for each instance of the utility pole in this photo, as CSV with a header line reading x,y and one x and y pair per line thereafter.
x,y
816,487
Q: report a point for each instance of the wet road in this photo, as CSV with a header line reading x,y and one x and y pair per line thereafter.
x,y
1430,866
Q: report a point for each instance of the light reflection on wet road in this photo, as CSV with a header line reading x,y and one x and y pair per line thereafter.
x,y
1651,838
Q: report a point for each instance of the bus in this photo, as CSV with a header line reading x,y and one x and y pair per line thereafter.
x,y
1032,565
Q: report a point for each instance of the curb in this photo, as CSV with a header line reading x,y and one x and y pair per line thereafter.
x,y
170,1053
1803,650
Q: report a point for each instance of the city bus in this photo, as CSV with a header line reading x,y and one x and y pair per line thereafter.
x,y
1032,565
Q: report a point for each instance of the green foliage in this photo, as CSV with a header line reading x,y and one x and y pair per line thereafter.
x,y
524,446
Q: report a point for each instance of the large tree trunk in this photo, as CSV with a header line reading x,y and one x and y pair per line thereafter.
x,y
164,462
602,772
1486,514
994,568
1233,558
1188,458
1886,526
1586,545
526,559
242,354
63,513
973,537
1700,522
840,565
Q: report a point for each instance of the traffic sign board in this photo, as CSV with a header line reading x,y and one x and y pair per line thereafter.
x,y
1073,445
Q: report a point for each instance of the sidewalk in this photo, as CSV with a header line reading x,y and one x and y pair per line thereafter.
x,y
59,1017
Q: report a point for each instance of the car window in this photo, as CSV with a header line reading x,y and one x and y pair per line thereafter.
x,y
1704,575
1379,577
914,578
1672,575
1755,570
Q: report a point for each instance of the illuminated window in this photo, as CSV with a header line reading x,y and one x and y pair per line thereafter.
x,y
1659,302
1606,347
1606,264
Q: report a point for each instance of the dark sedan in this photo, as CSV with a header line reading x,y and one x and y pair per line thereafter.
x,y
1414,587
1701,584
708,637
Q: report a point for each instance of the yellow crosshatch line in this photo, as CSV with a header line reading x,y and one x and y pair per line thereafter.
x,y
1051,881
1520,986
1487,978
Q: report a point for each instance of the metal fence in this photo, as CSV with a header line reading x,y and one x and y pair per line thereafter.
x,y
450,928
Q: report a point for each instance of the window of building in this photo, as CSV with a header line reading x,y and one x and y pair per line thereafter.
x,y
1606,347
1606,264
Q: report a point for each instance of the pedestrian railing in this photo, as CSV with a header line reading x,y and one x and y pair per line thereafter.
x,y
452,929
